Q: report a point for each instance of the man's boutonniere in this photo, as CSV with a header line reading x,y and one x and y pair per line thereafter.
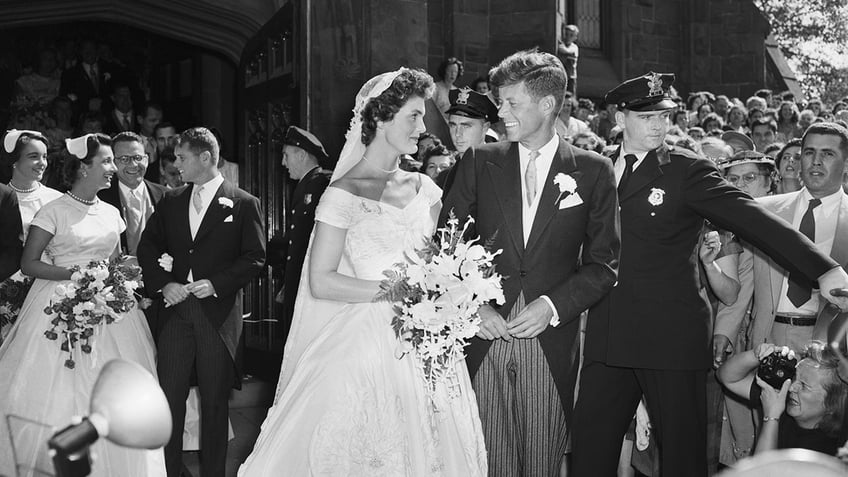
x,y
225,202
656,197
307,199
107,76
567,185
166,262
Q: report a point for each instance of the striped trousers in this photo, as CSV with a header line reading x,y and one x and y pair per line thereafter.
x,y
523,420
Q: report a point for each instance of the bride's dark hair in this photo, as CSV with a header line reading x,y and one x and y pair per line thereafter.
x,y
72,163
409,83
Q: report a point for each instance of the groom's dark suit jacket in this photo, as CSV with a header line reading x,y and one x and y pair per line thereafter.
x,y
571,255
228,250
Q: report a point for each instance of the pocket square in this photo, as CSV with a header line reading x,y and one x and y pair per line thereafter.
x,y
571,201
228,219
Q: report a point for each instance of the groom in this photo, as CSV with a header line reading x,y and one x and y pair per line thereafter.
x,y
553,210
215,234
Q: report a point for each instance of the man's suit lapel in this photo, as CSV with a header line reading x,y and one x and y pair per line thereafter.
x,y
506,175
563,162
839,251
786,211
181,205
216,212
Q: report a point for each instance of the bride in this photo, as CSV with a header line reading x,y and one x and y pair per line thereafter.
x,y
345,404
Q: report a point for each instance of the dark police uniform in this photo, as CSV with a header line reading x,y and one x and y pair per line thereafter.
x,y
287,253
651,334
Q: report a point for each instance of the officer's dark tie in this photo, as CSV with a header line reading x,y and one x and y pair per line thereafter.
x,y
629,160
799,294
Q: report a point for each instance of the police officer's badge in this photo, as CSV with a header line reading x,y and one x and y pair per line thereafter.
x,y
462,98
655,84
307,199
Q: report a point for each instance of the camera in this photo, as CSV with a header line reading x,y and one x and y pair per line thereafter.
x,y
777,367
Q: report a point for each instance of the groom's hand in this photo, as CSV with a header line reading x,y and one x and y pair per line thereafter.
x,y
174,293
492,324
532,320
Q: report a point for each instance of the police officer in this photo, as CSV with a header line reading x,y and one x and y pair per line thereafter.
x,y
303,156
650,336
469,120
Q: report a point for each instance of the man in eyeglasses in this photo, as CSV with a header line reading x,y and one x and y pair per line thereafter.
x,y
131,194
134,197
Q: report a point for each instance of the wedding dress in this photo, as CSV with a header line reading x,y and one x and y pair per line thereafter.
x,y
348,405
38,391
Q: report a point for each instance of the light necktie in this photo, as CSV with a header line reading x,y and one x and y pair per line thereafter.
x,y
126,121
799,293
133,213
530,177
629,160
196,200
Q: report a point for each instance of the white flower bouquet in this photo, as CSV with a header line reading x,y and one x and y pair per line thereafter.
x,y
98,294
438,294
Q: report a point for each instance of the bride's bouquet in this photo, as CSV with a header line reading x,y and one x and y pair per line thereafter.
x,y
438,294
98,294
13,291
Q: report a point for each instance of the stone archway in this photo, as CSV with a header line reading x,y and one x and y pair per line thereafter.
x,y
223,26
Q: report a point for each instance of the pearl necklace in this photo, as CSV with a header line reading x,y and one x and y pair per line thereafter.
x,y
24,191
387,171
79,199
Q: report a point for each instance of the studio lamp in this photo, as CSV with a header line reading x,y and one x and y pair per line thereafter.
x,y
127,407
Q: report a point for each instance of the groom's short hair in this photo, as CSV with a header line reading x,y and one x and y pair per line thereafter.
x,y
542,74
200,140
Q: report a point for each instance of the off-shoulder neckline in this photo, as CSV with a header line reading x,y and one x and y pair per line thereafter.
x,y
418,194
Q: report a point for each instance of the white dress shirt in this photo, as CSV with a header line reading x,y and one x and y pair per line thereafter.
x,y
528,212
620,164
826,215
210,188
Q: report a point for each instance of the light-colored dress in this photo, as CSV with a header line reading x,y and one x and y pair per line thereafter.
x,y
352,407
29,203
37,387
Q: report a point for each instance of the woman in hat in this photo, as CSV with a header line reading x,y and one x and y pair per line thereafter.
x,y
345,404
48,380
755,174
26,153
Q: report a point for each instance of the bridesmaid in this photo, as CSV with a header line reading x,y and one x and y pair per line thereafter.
x,y
26,154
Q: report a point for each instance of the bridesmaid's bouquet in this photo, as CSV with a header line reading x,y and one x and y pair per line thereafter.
x,y
100,293
437,295
13,291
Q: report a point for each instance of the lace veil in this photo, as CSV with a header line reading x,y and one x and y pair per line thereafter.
x,y
311,314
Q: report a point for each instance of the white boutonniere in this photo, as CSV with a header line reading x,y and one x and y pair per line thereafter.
x,y
567,185
225,202
656,197
166,262
107,76
307,199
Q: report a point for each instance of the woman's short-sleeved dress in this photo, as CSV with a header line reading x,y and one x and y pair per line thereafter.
x,y
38,390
